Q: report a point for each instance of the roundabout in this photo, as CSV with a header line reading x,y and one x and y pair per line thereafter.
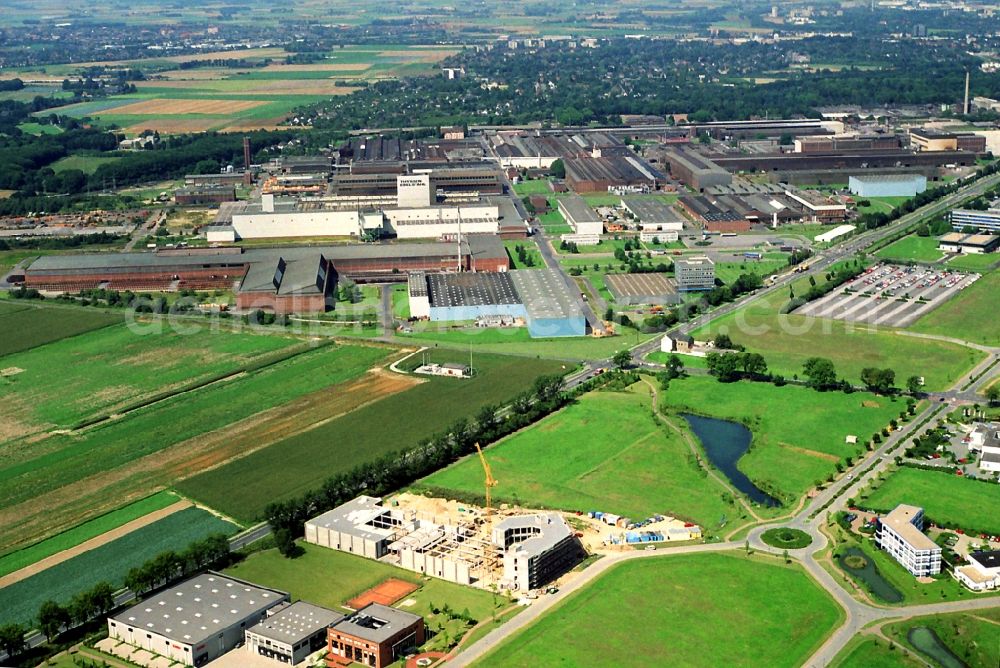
x,y
786,538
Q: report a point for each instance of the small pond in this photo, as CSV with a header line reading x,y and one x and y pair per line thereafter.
x,y
725,442
927,642
857,564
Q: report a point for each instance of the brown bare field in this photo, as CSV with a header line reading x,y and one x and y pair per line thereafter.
x,y
96,541
200,74
319,67
65,507
5,194
191,57
256,124
174,125
167,106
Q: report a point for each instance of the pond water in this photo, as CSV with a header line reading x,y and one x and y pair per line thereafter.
x,y
925,640
725,442
868,574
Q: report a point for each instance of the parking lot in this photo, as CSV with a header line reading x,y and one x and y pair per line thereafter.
x,y
890,295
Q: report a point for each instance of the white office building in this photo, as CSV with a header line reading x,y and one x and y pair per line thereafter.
x,y
291,633
694,273
901,534
982,573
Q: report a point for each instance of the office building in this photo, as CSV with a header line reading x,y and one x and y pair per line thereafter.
x,y
694,273
901,534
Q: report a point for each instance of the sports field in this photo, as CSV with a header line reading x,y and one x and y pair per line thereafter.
x,y
869,652
787,341
67,478
691,610
103,371
946,498
971,636
24,325
20,601
970,315
603,452
290,467
789,454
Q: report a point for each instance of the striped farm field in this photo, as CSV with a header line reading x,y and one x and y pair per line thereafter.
x,y
20,601
187,106
25,326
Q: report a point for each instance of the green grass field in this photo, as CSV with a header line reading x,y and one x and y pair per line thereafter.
x,y
869,652
533,187
244,487
787,341
61,460
692,610
969,315
789,454
533,255
39,129
69,380
87,164
604,452
25,325
84,532
974,636
912,247
946,498
974,262
728,272
20,601
553,222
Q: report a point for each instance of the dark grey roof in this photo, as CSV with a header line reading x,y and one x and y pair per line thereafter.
x,y
577,208
200,608
472,289
295,623
376,623
987,559
649,210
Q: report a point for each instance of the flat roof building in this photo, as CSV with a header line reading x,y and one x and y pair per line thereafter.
x,y
982,572
901,534
983,221
887,185
696,171
471,296
196,621
551,308
958,242
694,273
536,549
580,216
292,633
656,219
376,635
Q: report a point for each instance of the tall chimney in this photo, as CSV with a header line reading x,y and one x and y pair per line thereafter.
x,y
965,105
247,175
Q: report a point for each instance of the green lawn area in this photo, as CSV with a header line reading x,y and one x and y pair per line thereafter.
x,y
788,340
605,247
69,380
87,164
400,302
974,262
84,532
974,636
947,499
39,129
912,247
728,272
533,187
288,468
532,254
869,652
970,315
331,578
25,325
692,610
553,222
788,454
20,601
603,452
690,361
881,204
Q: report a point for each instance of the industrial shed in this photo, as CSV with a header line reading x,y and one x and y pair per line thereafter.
x,y
887,185
552,309
471,296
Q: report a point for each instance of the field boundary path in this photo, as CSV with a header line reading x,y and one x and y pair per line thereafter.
x,y
93,543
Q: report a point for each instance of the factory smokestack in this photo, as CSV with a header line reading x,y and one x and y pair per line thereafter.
x,y
965,105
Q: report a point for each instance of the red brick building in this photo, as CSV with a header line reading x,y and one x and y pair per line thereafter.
x,y
375,635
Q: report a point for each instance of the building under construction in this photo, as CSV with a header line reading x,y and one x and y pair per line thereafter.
x,y
520,551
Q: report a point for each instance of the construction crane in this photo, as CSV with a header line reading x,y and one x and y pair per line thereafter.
x,y
490,481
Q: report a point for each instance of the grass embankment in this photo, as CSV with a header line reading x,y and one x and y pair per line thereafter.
x,y
604,452
676,610
788,454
